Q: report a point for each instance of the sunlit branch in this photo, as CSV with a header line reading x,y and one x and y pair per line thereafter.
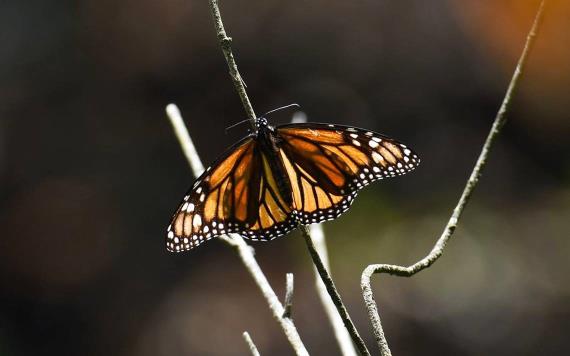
x,y
333,293
439,246
250,344
245,251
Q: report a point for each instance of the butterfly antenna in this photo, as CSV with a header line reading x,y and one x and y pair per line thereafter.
x,y
281,108
264,115
236,124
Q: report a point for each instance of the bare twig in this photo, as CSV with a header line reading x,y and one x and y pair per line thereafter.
x,y
184,138
250,344
289,288
333,293
318,237
340,332
244,250
226,44
439,246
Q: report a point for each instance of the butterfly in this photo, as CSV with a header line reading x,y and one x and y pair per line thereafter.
x,y
279,177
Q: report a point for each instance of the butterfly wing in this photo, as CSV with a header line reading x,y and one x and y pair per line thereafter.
x,y
328,164
236,194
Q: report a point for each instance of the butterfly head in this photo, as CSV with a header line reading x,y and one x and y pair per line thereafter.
x,y
263,124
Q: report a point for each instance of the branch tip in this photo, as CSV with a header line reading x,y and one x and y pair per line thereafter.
x,y
289,288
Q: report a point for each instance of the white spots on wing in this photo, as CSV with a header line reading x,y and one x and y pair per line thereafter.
x,y
406,151
176,240
185,240
221,226
354,135
356,143
170,235
186,197
184,206
330,125
377,139
206,229
377,157
199,190
373,144
190,208
197,221
406,159
399,165
369,133
376,169
202,197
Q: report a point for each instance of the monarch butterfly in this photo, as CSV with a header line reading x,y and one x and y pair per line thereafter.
x,y
279,177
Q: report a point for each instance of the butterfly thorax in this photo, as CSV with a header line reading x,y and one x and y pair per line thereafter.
x,y
269,142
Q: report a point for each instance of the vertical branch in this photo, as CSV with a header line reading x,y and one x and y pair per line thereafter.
x,y
333,293
245,251
226,44
472,182
318,236
341,333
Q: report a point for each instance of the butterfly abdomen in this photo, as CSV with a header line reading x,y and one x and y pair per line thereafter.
x,y
269,146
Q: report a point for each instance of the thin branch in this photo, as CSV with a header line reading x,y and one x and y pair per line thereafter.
x,y
289,288
318,237
226,44
333,293
341,333
250,344
184,138
244,250
439,246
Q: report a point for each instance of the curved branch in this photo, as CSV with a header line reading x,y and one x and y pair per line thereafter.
x,y
439,246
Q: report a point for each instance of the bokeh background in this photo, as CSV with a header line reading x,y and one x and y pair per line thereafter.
x,y
90,173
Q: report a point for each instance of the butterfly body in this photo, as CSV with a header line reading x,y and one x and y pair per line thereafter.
x,y
269,144
279,177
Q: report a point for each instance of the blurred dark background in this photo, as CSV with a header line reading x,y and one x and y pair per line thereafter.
x,y
91,172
